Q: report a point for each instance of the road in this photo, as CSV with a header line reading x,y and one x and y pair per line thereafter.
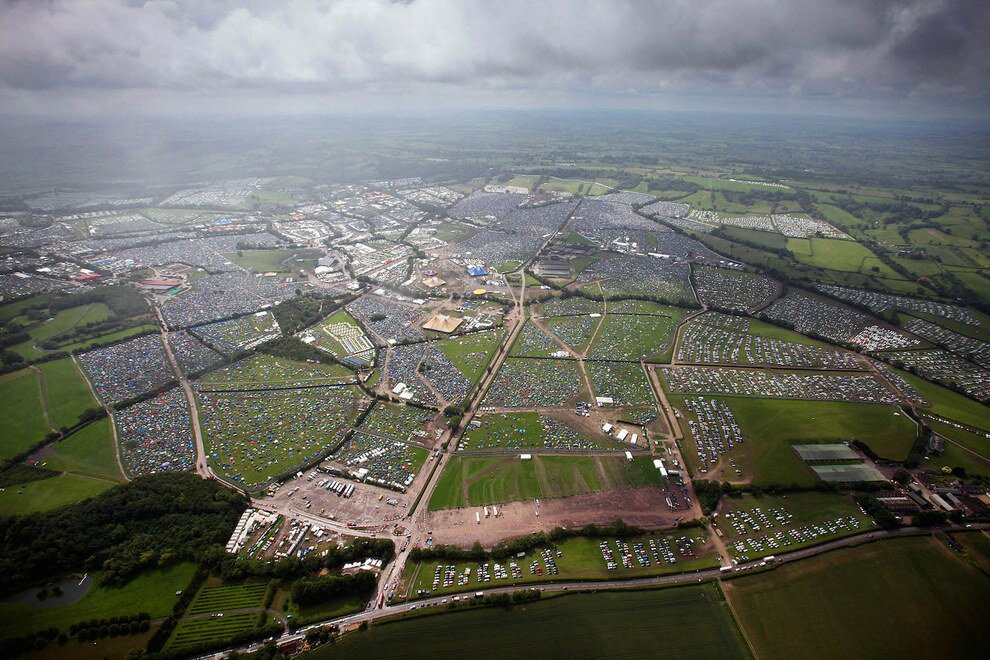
x,y
202,466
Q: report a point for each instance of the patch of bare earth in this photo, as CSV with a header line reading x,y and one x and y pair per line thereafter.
x,y
643,507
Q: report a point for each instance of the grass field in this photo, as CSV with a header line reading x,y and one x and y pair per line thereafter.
x,y
261,261
102,340
152,592
471,353
48,494
631,337
770,427
686,622
834,254
580,559
481,481
950,404
22,417
60,323
88,452
66,393
892,599
806,508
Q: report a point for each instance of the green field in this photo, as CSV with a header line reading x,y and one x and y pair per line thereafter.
x,y
62,322
685,622
904,598
631,337
515,431
110,338
152,592
87,452
47,494
66,393
22,416
217,597
261,261
193,632
806,508
946,403
481,481
471,353
771,426
835,254
580,559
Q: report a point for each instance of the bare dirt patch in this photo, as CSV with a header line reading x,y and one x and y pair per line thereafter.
x,y
643,507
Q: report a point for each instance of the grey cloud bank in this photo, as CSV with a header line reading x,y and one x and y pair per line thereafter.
x,y
929,56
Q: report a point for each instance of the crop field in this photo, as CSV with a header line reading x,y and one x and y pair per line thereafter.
x,y
879,597
577,558
194,632
508,431
631,337
625,383
151,591
88,452
770,426
756,527
220,597
66,393
480,481
684,622
22,416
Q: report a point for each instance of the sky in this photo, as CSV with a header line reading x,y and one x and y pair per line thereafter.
x,y
898,58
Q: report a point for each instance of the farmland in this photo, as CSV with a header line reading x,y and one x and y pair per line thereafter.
x,y
781,611
691,622
89,451
220,597
478,481
193,632
21,411
66,393
47,494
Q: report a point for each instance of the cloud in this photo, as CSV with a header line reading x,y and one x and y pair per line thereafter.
x,y
731,49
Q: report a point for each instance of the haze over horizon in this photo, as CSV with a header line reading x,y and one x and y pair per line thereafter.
x,y
906,58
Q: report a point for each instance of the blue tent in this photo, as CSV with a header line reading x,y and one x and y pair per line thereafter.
x,y
477,271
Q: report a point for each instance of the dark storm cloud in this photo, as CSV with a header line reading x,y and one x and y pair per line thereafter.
x,y
724,48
